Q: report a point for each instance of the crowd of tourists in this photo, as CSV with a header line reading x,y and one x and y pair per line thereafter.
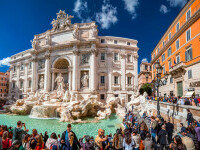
x,y
193,101
137,133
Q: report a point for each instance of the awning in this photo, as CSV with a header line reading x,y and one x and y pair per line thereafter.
x,y
189,94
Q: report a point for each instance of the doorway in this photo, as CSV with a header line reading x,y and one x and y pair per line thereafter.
x,y
180,89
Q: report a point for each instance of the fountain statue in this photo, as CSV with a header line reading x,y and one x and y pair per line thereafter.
x,y
60,85
84,80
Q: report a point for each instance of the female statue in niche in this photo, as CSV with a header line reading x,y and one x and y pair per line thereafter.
x,y
84,80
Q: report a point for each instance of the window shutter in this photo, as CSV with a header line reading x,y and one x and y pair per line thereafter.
x,y
190,53
185,55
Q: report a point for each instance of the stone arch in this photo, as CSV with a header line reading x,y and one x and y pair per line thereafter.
x,y
61,63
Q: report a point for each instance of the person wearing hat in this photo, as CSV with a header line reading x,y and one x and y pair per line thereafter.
x,y
65,137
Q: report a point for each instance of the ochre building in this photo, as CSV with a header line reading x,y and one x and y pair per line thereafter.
x,y
178,52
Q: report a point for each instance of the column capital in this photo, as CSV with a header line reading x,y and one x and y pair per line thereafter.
x,y
123,55
76,52
135,56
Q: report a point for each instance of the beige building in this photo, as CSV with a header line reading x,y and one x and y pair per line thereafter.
x,y
145,71
72,57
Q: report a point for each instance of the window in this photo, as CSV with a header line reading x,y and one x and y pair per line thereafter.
x,y
163,57
13,85
188,54
102,56
116,80
177,44
129,81
21,84
146,67
116,95
2,79
102,78
158,50
170,36
163,43
169,51
177,58
171,80
29,83
116,57
22,67
188,35
170,64
102,96
30,65
4,90
177,26
154,55
129,58
115,41
102,40
189,74
188,14
128,43
163,69
1,90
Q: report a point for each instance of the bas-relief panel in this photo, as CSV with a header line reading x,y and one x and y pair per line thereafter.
x,y
61,38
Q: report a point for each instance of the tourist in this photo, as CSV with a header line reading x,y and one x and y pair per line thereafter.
x,y
92,140
65,137
52,142
99,140
128,142
183,128
189,117
178,143
87,145
137,139
15,145
18,132
197,130
118,140
148,142
45,137
153,129
169,129
187,141
34,133
58,138
1,147
162,137
25,142
40,143
6,142
33,144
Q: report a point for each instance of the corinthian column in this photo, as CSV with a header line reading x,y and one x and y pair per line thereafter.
x,y
135,70
110,63
47,73
34,75
26,77
75,70
123,71
93,79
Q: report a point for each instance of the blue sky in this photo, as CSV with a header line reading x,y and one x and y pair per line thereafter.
x,y
142,20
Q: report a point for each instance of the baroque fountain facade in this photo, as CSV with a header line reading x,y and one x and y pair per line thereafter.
x,y
73,73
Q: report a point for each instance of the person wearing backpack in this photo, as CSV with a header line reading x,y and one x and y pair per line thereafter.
x,y
18,132
6,142
52,141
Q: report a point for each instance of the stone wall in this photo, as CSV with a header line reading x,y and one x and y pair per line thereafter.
x,y
177,113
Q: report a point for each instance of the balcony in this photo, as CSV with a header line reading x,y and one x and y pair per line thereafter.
x,y
178,70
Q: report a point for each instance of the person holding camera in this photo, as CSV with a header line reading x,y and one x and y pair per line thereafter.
x,y
18,132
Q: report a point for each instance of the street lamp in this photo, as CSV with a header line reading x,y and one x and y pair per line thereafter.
x,y
159,82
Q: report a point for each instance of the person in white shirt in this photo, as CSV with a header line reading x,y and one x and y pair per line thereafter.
x,y
128,142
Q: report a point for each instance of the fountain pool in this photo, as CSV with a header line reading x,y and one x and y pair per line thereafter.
x,y
53,125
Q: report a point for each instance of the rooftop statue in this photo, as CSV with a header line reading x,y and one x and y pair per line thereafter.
x,y
62,21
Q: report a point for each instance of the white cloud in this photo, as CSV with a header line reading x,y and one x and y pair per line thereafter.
x,y
79,7
130,6
144,60
5,62
107,16
164,9
177,3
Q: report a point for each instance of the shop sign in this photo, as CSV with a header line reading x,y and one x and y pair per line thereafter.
x,y
195,84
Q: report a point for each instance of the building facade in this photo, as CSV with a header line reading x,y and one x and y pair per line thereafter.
x,y
145,68
4,85
88,63
178,52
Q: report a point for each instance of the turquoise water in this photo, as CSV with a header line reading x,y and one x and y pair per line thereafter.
x,y
53,125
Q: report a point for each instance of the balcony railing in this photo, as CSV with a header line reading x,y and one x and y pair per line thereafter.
x,y
177,66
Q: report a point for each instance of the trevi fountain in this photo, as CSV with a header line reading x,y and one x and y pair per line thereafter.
x,y
71,73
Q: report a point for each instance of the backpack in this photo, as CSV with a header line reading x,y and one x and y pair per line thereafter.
x,y
54,147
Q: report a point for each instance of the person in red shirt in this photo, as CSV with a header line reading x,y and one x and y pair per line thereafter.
x,y
40,143
6,142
